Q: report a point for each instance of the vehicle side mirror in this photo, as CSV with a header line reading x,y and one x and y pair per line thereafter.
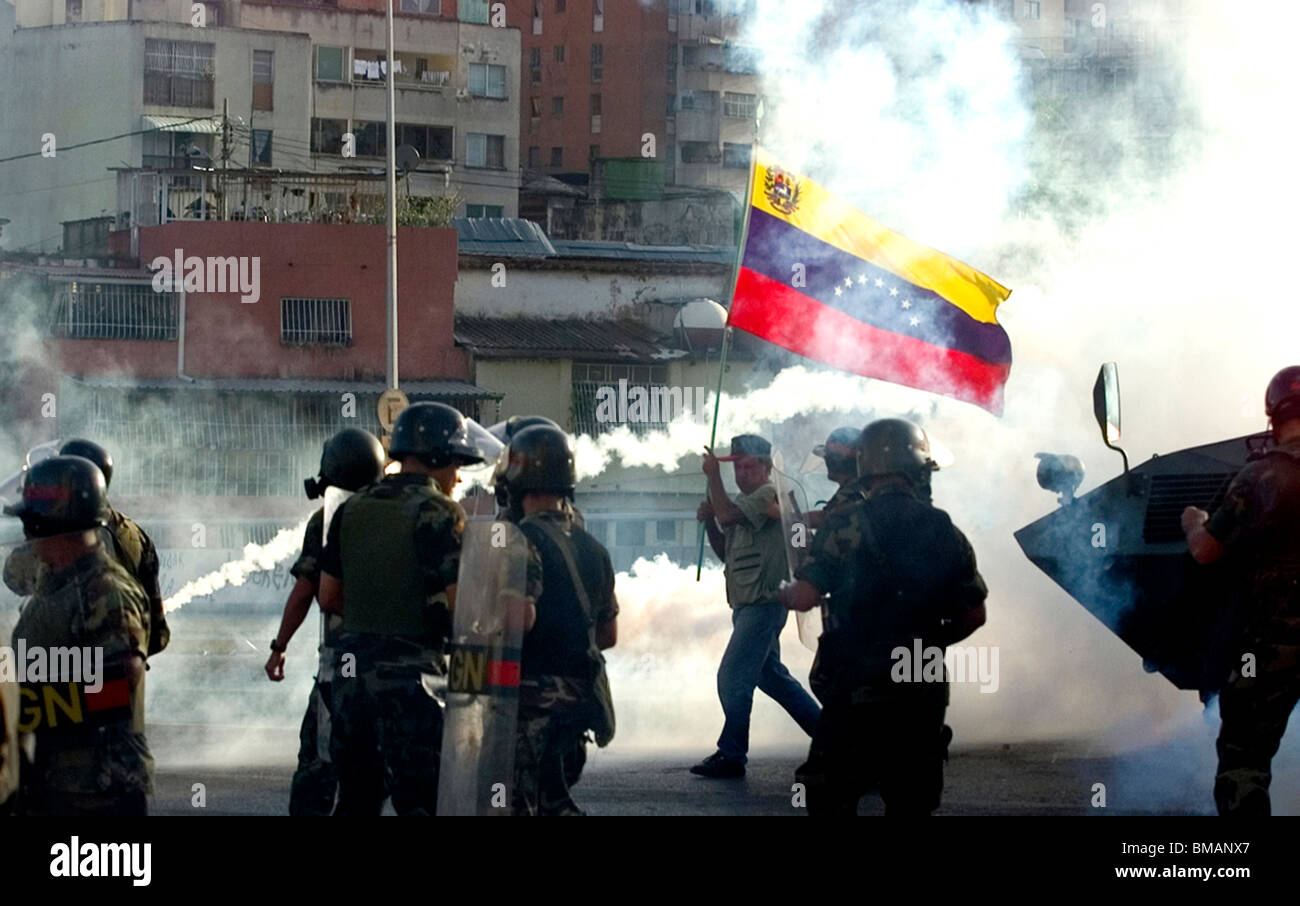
x,y
1105,406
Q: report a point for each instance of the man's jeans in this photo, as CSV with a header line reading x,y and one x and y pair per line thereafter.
x,y
753,658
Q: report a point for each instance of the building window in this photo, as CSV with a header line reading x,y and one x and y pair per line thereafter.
x,y
699,101
113,311
263,79
738,105
534,157
371,138
593,152
535,65
424,7
597,62
559,6
666,530
595,113
485,151
316,322
484,210
537,17
740,59
735,156
629,534
475,11
557,156
700,153
557,106
598,15
259,148
559,53
589,378
487,81
178,73
329,64
327,135
1033,9
535,106
432,142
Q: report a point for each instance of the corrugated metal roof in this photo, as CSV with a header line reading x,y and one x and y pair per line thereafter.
x,y
208,125
563,338
630,251
443,388
502,236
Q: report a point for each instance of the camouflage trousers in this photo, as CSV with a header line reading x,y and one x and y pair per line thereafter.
x,y
387,736
104,771
888,738
550,745
1255,711
315,781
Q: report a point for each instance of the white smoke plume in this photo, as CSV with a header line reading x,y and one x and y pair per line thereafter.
x,y
286,543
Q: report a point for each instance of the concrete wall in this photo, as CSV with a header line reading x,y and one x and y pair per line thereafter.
x,y
577,292
36,65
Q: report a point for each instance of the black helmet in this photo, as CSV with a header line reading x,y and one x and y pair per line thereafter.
x,y
62,494
504,431
540,459
350,460
1282,399
894,446
840,450
94,452
436,434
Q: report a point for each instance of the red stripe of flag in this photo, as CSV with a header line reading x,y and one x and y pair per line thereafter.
x,y
784,316
503,673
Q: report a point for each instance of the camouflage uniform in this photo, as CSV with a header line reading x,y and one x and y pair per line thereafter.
x,y
1259,524
87,769
9,756
844,495
874,731
133,548
315,781
387,721
558,667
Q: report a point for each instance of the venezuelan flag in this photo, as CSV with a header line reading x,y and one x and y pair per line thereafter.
x,y
820,278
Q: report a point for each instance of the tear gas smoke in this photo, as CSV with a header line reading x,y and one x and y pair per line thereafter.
x,y
256,557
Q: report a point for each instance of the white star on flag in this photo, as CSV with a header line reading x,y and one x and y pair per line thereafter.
x,y
848,281
862,279
907,303
838,291
879,282
893,290
915,322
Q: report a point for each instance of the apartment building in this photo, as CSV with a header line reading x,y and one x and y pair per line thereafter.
x,y
283,86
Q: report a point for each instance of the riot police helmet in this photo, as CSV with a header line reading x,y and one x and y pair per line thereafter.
x,y
88,449
894,446
350,460
435,434
1282,399
62,494
840,451
541,459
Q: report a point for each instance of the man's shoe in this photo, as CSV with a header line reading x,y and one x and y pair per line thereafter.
x,y
719,766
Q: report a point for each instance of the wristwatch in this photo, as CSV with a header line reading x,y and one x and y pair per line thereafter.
x,y
276,646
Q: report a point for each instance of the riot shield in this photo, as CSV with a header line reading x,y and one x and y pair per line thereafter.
x,y
797,536
476,775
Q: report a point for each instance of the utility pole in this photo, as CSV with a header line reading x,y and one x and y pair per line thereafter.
x,y
225,154
392,211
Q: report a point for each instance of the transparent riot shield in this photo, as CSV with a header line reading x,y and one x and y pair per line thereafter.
x,y
798,536
478,742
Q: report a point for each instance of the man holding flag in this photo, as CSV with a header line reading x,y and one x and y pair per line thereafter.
x,y
747,538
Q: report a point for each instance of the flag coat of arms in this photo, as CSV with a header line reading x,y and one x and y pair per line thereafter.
x,y
820,278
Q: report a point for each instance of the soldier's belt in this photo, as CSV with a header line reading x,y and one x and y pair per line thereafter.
x,y
484,670
64,707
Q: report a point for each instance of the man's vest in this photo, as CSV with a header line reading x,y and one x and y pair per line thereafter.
x,y
384,589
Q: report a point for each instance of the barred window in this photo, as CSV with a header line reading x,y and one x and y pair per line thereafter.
x,y
735,155
487,80
487,151
114,311
327,135
178,73
318,322
589,378
263,79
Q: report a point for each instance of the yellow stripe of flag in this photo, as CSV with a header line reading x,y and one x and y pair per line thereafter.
x,y
832,220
